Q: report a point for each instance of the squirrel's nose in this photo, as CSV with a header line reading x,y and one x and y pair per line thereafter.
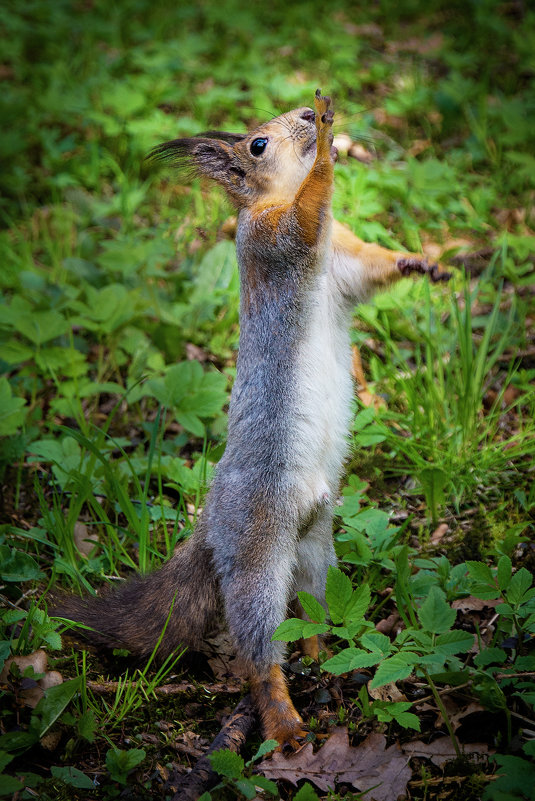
x,y
308,115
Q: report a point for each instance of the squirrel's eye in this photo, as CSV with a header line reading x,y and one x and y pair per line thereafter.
x,y
258,146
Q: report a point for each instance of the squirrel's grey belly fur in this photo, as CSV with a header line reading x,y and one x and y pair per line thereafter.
x,y
271,501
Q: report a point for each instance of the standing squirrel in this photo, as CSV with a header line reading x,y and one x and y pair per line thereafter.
x,y
266,528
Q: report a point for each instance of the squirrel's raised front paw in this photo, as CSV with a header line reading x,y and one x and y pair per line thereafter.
x,y
415,264
323,108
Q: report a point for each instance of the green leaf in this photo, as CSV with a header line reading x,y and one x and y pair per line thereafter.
x,y
489,693
377,642
519,585
52,705
246,787
515,782
87,725
9,785
191,423
480,572
312,607
41,326
350,659
435,615
338,593
18,566
265,784
358,604
504,572
265,748
12,412
289,630
227,763
306,793
73,777
490,656
454,642
408,720
312,629
119,762
395,668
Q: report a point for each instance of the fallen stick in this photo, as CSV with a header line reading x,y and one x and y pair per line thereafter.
x,y
233,736
107,687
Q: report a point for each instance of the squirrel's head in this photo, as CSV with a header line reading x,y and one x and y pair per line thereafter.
x,y
266,165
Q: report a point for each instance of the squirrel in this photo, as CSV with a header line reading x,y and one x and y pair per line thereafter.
x,y
266,528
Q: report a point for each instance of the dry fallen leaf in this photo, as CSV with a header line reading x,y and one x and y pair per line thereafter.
x,y
387,692
441,750
438,533
32,691
360,153
342,142
367,765
387,624
472,604
84,540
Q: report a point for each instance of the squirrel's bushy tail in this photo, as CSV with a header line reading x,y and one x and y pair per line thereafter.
x,y
134,615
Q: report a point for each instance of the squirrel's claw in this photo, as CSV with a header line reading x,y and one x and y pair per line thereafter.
x,y
414,264
322,104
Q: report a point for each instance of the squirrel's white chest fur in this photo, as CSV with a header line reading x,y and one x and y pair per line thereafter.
x,y
324,392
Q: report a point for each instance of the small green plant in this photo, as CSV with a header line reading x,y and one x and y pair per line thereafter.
x,y
119,763
428,644
437,429
236,773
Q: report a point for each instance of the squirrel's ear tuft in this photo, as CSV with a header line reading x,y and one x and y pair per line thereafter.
x,y
213,158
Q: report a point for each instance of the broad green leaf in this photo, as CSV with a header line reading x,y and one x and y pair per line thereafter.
x,y
395,668
41,326
265,748
227,763
17,565
519,584
489,693
289,630
338,592
264,783
55,700
312,607
12,412
87,725
408,720
306,793
504,572
358,604
377,642
435,614
73,777
191,423
312,629
119,762
490,656
246,787
9,785
480,572
455,642
350,659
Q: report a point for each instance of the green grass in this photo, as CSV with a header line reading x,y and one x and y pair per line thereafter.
x,y
119,324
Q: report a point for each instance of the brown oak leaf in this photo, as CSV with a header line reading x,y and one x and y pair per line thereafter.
x,y
366,766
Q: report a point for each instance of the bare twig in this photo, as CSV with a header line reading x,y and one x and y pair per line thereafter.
x,y
108,687
233,736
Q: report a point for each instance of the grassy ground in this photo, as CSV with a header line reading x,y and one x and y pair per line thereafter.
x,y
118,338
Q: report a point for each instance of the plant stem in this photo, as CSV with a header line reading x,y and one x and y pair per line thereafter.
x,y
443,712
